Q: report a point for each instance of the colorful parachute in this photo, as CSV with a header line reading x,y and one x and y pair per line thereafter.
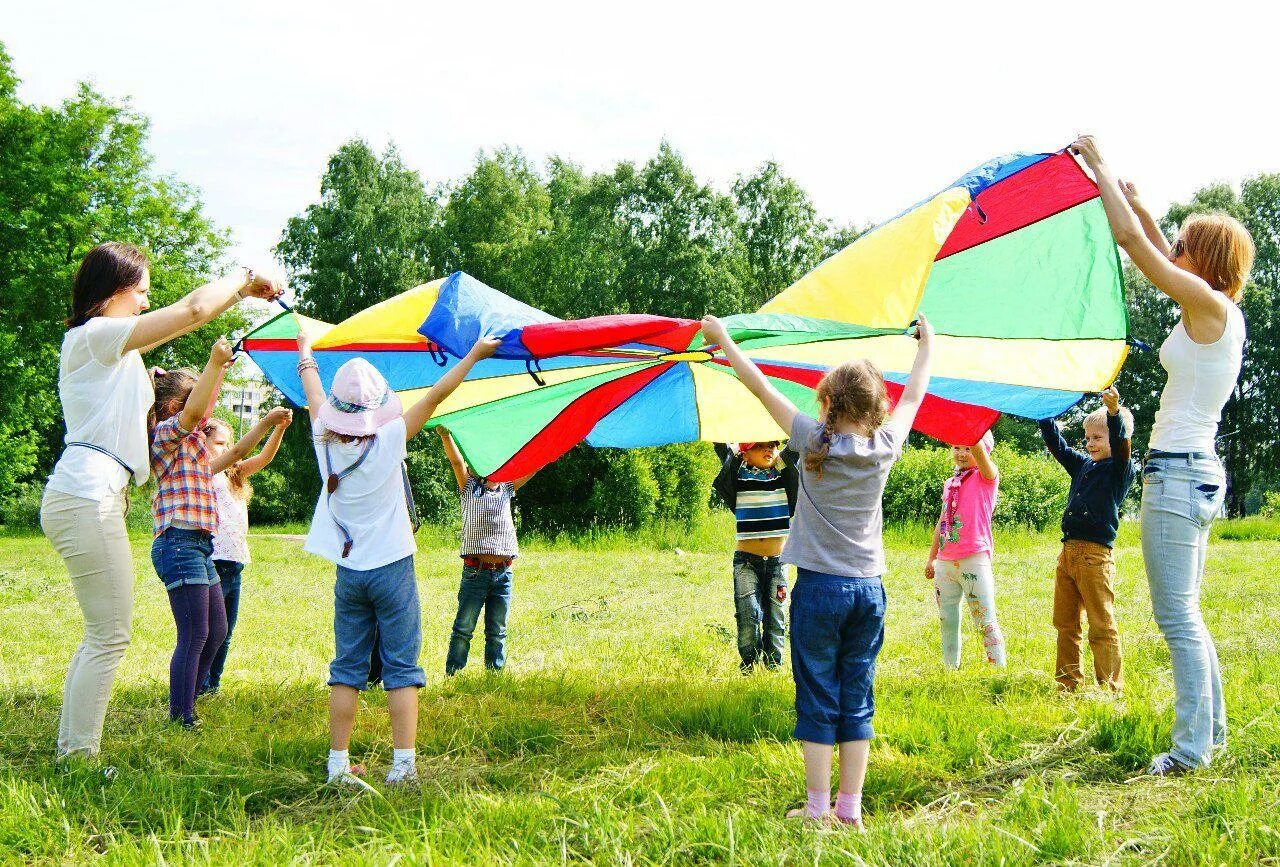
x,y
1014,264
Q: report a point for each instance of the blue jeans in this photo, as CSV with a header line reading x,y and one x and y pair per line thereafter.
x,y
1180,499
489,589
759,601
382,600
837,629
229,571
181,556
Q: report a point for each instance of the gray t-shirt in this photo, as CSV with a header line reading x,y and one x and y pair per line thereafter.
x,y
839,520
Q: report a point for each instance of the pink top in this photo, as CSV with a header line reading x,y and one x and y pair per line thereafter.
x,y
968,500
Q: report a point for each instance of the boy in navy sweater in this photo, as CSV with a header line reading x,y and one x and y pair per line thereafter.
x,y
1086,570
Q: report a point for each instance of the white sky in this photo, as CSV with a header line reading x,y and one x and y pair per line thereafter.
x,y
868,108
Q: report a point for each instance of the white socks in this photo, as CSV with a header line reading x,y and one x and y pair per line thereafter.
x,y
339,763
403,766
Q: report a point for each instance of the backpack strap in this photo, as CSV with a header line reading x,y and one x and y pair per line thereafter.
x,y
408,498
331,485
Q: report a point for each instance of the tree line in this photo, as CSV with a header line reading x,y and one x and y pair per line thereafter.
x,y
641,237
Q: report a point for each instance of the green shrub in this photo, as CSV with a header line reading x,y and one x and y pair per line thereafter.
x,y
1033,488
20,508
619,488
1270,505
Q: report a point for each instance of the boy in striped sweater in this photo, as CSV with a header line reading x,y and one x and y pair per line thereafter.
x,y
759,485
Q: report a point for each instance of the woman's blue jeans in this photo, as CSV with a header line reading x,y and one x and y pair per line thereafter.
x,y
1180,499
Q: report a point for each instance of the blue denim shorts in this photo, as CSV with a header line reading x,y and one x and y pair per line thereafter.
x,y
385,598
837,630
181,556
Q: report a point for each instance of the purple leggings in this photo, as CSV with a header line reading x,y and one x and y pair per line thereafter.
x,y
201,618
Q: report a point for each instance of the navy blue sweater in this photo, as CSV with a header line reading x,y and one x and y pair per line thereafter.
x,y
1097,487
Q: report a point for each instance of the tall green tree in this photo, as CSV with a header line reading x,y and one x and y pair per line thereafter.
x,y
72,176
781,233
1249,435
367,239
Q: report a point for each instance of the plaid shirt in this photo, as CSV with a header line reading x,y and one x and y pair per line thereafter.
x,y
184,486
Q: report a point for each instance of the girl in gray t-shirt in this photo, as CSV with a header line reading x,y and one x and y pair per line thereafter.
x,y
838,604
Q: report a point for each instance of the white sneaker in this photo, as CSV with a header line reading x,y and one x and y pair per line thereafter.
x,y
405,774
346,777
1165,765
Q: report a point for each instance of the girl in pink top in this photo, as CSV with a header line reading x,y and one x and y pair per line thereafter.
x,y
960,559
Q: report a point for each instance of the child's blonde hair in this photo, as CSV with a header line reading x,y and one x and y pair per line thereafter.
x,y
239,484
853,391
1220,249
1098,418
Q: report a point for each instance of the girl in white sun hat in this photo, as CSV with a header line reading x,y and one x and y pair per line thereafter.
x,y
362,524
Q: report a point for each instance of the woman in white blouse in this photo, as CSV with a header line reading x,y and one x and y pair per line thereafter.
x,y
1183,483
106,394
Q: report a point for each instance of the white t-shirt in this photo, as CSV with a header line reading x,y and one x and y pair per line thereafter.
x,y
1201,378
231,541
370,502
105,394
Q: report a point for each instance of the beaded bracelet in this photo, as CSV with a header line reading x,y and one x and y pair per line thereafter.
x,y
308,364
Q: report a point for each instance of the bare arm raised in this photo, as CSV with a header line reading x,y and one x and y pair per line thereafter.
x,y
278,420
417,415
1204,310
199,307
451,453
204,391
779,407
913,394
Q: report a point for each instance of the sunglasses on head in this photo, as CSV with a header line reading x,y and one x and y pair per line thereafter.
x,y
1177,249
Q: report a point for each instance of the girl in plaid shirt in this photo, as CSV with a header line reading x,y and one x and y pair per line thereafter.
x,y
185,519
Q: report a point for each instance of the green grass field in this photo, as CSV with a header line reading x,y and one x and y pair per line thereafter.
x,y
622,731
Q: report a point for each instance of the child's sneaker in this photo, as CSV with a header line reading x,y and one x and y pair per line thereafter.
x,y
402,774
1165,765
350,776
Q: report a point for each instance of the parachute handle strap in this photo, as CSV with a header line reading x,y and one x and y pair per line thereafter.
x,y
534,366
437,354
977,209
1138,344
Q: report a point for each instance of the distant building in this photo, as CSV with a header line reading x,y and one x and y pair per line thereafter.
x,y
244,400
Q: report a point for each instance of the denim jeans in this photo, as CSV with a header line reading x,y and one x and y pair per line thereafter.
x,y
837,630
230,572
759,601
382,600
182,556
1180,499
489,589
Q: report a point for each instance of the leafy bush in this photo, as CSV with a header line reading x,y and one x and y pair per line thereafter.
x,y
1033,488
624,488
20,509
1270,505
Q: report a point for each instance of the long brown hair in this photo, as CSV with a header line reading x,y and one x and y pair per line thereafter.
x,y
105,271
239,484
171,386
855,392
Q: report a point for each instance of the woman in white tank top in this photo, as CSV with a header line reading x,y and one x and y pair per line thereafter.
x,y
105,394
1183,484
